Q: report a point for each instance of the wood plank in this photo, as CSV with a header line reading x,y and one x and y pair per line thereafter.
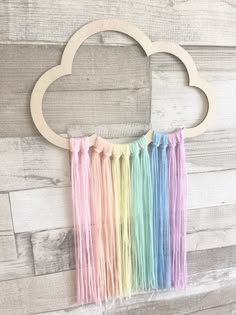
x,y
4,13
107,84
5,218
211,151
209,189
7,248
86,107
211,227
218,310
31,163
37,294
120,83
41,209
57,291
53,251
114,132
7,238
94,67
168,20
185,302
176,105
211,239
224,309
211,259
85,310
50,208
206,59
100,67
97,107
213,218
23,265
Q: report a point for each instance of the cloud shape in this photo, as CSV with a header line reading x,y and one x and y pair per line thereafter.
x,y
148,46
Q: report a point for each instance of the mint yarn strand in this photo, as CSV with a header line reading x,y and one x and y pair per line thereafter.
x,y
148,212
137,214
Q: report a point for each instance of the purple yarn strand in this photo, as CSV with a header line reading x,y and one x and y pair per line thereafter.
x,y
177,204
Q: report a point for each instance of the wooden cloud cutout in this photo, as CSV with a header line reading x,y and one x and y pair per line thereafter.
x,y
148,46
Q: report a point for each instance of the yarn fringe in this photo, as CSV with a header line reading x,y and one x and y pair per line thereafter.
x,y
129,216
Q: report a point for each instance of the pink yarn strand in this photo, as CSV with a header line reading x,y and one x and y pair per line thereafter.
x,y
80,173
97,220
74,178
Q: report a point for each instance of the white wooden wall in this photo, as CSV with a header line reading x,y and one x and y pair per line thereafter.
x,y
113,83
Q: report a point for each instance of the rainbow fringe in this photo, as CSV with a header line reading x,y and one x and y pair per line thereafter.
x,y
129,216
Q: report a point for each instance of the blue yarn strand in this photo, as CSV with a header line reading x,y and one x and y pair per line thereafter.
x,y
161,230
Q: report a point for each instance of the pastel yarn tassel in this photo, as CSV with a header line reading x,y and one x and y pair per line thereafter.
x,y
116,175
161,226
97,222
137,219
129,216
177,203
109,236
121,184
80,175
147,205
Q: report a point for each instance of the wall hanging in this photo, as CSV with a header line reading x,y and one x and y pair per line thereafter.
x,y
128,199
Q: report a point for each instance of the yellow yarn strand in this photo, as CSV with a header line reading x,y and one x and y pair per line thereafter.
x,y
121,186
125,220
117,202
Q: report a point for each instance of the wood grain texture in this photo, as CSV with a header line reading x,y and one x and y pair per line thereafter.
x,y
213,218
75,107
41,209
113,83
85,310
37,294
224,309
207,294
7,238
208,58
94,67
212,151
211,239
227,309
23,265
54,251
176,105
102,67
113,132
32,162
208,189
108,84
50,208
188,22
211,227
211,259
56,291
